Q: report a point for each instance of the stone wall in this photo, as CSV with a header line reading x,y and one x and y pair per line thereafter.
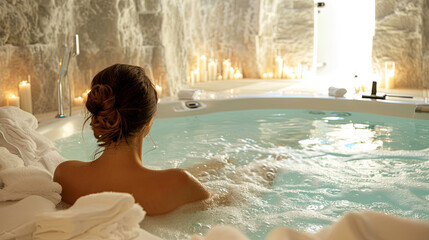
x,y
166,37
33,35
400,37
286,30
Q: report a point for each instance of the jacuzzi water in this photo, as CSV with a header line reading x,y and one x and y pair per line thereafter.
x,y
298,168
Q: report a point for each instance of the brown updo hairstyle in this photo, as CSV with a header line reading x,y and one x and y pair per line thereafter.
x,y
122,101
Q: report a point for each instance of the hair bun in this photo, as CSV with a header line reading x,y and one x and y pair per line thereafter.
x,y
106,119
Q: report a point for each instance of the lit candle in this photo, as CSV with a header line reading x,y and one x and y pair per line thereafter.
x,y
203,68
231,73
237,74
13,100
195,76
389,73
25,96
270,75
285,71
212,70
158,90
279,67
78,101
219,77
299,71
225,69
264,75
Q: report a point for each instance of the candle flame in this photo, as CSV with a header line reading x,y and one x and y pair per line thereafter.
x,y
203,57
219,77
158,88
11,95
23,83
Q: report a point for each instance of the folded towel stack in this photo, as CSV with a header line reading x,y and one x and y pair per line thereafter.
x,y
106,215
18,134
18,220
21,182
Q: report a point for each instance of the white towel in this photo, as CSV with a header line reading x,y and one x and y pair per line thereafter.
x,y
106,215
22,118
50,161
353,226
21,182
337,92
17,221
9,160
17,130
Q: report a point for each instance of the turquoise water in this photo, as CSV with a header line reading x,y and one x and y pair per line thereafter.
x,y
298,168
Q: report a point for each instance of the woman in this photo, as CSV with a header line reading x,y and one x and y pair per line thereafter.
x,y
122,104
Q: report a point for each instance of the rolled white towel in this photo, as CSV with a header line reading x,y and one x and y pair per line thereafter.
x,y
19,183
337,92
9,160
106,215
18,219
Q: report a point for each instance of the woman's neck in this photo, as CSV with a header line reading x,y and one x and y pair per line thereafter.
x,y
123,154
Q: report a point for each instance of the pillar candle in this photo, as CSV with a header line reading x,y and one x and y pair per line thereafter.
x,y
13,100
195,76
231,73
389,73
212,70
202,67
279,67
225,69
25,96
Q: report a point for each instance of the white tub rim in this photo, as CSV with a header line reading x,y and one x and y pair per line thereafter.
x,y
55,129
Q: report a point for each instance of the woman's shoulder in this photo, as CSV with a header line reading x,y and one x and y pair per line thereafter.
x,y
67,167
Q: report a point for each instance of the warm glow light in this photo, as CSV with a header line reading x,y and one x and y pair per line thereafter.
x,y
264,75
219,77
12,95
203,57
158,90
389,73
270,75
78,101
279,67
85,94
23,83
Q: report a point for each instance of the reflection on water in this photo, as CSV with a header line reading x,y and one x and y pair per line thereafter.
x,y
298,168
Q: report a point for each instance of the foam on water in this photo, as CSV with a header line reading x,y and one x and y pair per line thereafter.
x,y
298,168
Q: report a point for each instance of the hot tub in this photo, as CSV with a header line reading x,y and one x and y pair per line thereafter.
x,y
297,162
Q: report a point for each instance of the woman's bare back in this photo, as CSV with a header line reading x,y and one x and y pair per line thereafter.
x,y
158,192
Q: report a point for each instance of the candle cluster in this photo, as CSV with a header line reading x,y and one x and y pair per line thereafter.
x,y
283,71
23,100
210,70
